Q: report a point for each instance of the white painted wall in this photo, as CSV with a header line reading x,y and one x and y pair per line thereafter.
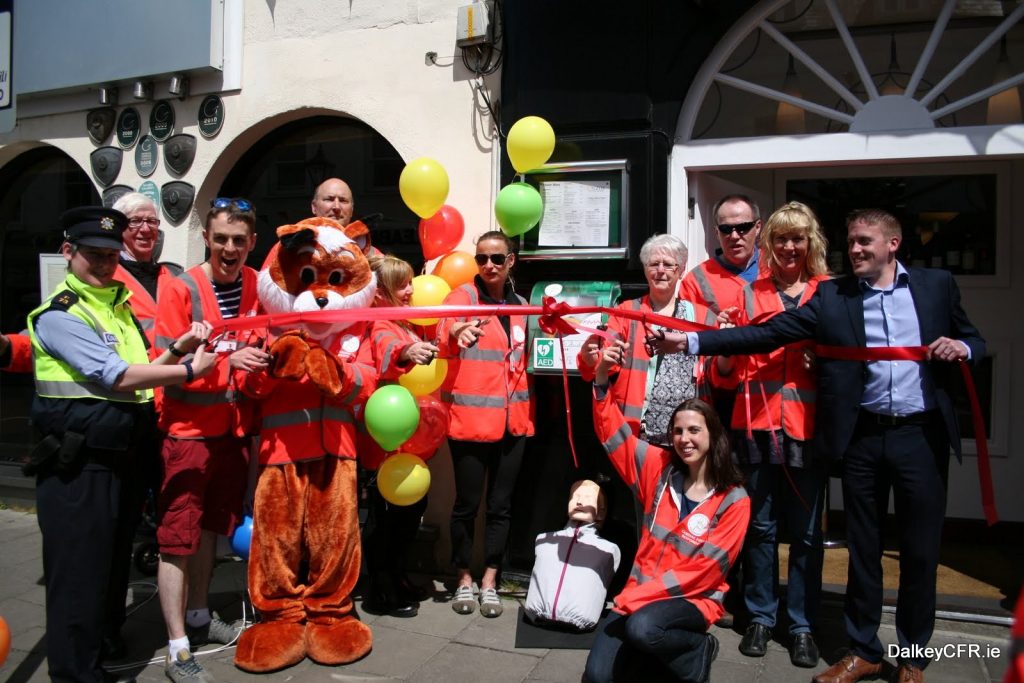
x,y
364,59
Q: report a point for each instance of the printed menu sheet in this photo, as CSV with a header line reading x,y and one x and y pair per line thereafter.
x,y
576,213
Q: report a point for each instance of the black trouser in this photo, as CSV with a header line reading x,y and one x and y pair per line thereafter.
x,y
78,517
391,532
910,460
140,475
473,461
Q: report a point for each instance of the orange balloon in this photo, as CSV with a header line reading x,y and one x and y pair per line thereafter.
x,y
456,268
5,641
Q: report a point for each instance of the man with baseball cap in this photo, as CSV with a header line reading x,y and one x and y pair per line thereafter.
x,y
94,387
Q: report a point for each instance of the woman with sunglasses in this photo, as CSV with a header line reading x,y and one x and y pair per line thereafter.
x,y
695,516
490,396
395,347
773,426
648,386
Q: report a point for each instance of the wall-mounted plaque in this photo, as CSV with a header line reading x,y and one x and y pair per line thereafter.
x,y
211,116
128,127
150,189
179,152
106,164
145,155
100,123
113,193
176,198
161,120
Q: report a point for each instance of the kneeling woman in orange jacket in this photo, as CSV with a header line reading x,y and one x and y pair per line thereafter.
x,y
695,517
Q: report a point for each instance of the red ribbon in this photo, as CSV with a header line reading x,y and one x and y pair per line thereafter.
x,y
552,321
920,353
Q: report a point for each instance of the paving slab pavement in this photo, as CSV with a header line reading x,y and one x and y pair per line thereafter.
x,y
436,646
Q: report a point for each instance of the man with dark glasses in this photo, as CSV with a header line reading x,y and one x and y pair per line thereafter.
x,y
716,282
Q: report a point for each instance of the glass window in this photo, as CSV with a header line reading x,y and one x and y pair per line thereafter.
x,y
949,221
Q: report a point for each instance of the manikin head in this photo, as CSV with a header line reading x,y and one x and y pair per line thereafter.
x,y
586,503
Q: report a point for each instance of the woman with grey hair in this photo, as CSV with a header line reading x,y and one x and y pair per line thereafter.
x,y
648,387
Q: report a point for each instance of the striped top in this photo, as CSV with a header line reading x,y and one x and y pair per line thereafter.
x,y
229,297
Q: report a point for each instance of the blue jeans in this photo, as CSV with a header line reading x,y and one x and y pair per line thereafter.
x,y
772,497
672,630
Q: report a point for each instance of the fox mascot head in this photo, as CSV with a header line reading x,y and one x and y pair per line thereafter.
x,y
318,266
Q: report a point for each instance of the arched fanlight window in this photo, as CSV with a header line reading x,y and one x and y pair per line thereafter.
x,y
815,66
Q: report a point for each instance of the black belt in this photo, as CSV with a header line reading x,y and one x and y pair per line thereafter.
x,y
881,420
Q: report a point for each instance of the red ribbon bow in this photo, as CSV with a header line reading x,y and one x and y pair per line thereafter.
x,y
551,319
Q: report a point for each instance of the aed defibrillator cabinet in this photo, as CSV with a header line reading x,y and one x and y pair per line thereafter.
x,y
545,354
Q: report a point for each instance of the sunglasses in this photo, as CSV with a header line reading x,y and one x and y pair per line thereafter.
x,y
225,203
740,228
496,259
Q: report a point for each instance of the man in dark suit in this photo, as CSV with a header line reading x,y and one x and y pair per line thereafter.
x,y
891,422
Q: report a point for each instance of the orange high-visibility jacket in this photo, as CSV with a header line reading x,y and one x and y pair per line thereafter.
x,y
487,388
143,305
711,284
381,350
628,382
688,558
20,353
210,406
790,389
299,423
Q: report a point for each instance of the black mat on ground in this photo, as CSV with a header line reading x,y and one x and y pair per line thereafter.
x,y
530,635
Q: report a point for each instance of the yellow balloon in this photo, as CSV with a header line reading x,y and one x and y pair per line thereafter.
x,y
531,140
403,479
425,379
423,186
428,290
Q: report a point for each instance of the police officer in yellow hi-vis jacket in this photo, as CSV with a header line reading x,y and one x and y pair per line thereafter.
x,y
93,386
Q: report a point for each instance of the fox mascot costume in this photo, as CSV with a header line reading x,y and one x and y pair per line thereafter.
x,y
305,510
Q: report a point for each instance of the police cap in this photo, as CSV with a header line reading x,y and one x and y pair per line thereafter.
x,y
94,226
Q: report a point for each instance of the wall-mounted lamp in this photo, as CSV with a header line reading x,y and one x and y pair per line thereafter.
x,y
108,95
790,119
1003,107
178,86
889,85
142,90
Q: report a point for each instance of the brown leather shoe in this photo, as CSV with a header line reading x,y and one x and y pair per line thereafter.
x,y
849,669
908,673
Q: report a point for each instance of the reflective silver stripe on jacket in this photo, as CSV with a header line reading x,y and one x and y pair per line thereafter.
x,y
146,324
476,353
701,276
197,299
82,389
772,387
472,400
357,386
749,302
736,494
307,416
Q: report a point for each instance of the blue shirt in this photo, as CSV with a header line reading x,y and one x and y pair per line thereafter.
x,y
898,387
748,273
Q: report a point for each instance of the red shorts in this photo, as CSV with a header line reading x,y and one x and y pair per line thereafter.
x,y
203,489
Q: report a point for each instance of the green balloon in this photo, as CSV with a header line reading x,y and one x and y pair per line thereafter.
x,y
518,208
391,416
